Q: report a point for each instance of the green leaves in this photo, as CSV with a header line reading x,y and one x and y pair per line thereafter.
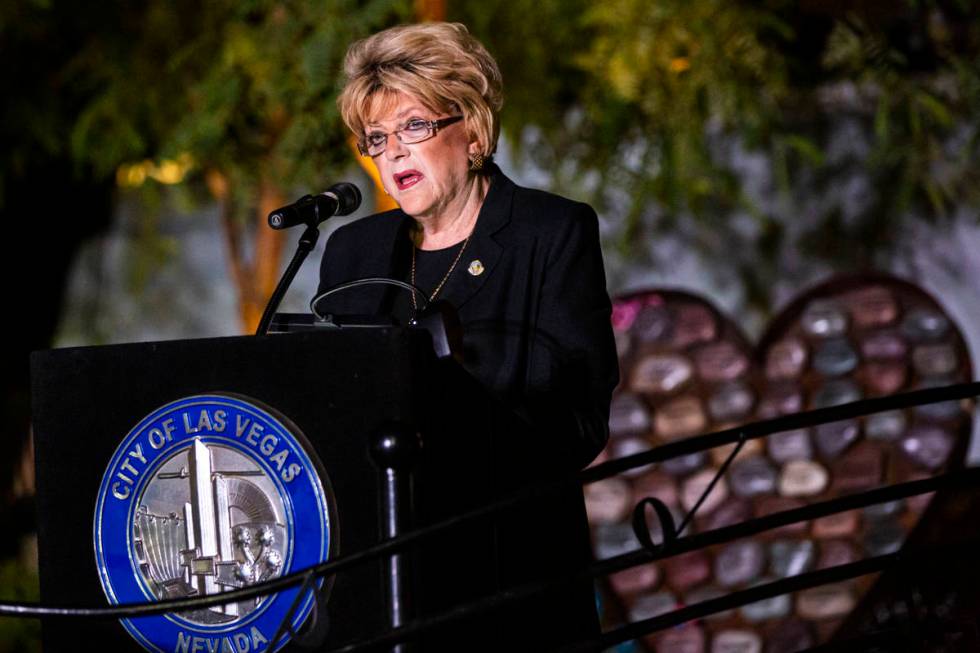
x,y
694,115
672,117
243,87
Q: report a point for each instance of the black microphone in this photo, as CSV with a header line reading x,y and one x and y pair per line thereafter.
x,y
339,199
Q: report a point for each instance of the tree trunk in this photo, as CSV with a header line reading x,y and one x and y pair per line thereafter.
x,y
434,10
256,279
268,252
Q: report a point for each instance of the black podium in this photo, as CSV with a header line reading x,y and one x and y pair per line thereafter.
x,y
338,388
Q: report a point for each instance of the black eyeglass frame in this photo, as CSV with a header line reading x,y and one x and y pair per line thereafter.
x,y
432,125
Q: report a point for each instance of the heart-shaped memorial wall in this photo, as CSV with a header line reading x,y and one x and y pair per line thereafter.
x,y
688,370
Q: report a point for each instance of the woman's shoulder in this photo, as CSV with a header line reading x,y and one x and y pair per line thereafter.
x,y
542,210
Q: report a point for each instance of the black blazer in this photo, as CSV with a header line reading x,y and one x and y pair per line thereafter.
x,y
537,333
536,320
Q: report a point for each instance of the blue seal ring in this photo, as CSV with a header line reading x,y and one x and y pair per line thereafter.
x,y
230,446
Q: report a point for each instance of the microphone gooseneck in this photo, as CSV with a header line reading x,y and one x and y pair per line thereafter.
x,y
310,210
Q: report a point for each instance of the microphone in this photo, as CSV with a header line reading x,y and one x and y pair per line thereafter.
x,y
339,199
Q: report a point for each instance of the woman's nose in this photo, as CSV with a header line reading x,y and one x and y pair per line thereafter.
x,y
394,148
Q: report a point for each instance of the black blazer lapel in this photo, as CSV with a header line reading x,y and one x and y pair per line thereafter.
x,y
483,251
392,259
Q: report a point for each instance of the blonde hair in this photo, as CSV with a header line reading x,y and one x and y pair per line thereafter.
x,y
441,64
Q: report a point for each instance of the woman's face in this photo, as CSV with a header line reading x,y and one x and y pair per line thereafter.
x,y
427,179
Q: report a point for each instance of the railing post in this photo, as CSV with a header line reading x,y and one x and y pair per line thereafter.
x,y
395,450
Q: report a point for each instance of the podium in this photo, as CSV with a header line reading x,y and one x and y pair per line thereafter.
x,y
337,388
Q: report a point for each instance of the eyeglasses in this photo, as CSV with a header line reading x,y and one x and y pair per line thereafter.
x,y
414,131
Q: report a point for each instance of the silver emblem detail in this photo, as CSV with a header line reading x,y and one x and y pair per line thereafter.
x,y
209,521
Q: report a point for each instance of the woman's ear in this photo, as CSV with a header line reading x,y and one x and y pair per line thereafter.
x,y
474,148
475,145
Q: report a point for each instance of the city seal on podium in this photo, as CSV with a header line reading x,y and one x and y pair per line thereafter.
x,y
209,494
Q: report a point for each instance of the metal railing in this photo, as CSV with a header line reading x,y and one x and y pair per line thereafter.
x,y
671,544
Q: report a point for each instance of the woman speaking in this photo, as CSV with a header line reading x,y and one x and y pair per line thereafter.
x,y
523,269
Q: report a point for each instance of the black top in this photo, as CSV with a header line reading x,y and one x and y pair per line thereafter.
x,y
431,266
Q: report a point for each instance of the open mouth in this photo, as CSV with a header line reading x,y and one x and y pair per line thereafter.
x,y
407,179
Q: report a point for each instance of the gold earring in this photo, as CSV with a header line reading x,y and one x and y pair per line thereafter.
x,y
476,162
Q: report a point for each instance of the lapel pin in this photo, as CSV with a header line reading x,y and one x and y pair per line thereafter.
x,y
476,268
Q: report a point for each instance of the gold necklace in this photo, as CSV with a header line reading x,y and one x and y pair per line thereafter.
x,y
452,267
